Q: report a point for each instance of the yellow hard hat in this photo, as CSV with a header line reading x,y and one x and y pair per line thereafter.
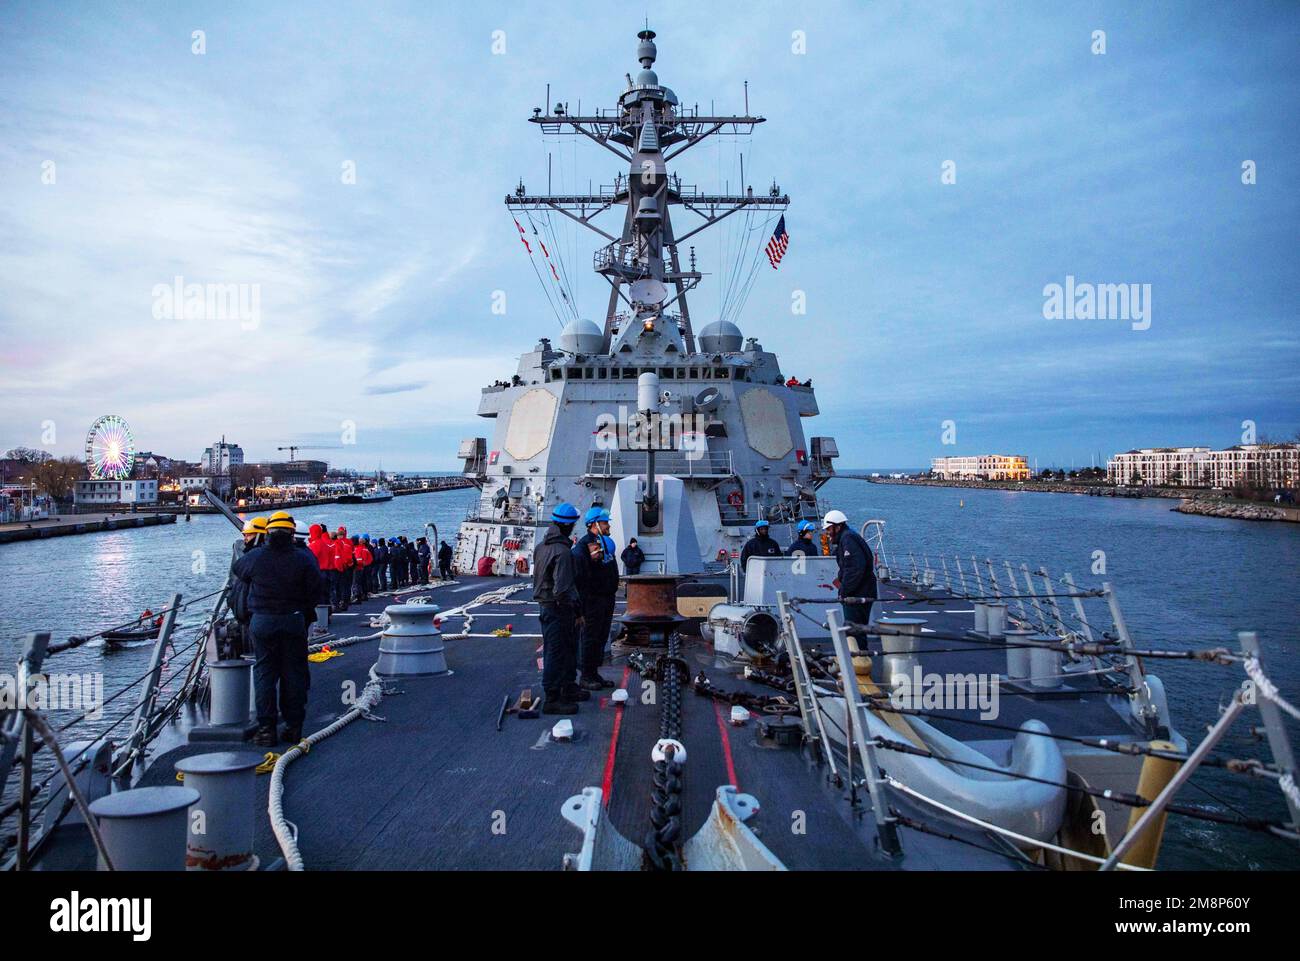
x,y
280,521
255,525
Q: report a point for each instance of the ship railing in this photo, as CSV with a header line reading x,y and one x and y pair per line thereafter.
x,y
678,463
1148,813
518,513
1033,599
621,257
115,730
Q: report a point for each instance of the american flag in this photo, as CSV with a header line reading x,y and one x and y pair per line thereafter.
x,y
776,246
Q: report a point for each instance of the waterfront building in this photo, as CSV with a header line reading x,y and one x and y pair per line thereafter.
x,y
981,467
221,457
112,493
1251,465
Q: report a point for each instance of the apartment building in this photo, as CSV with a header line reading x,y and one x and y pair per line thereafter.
x,y
982,466
1254,465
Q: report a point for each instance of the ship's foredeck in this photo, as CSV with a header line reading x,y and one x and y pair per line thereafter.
x,y
436,785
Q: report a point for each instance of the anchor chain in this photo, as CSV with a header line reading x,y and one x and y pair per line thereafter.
x,y
663,839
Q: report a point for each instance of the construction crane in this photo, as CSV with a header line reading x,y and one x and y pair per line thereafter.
x,y
294,448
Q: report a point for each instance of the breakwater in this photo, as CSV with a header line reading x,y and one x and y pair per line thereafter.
x,y
79,524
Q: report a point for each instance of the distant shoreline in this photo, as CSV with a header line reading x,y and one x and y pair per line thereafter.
x,y
1190,500
1045,487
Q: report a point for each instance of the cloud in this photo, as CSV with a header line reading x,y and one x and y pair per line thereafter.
x,y
395,388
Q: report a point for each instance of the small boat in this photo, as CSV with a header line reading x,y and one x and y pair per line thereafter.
x,y
149,626
371,495
118,638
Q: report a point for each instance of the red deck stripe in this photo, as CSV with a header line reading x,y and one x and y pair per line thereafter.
x,y
607,784
726,745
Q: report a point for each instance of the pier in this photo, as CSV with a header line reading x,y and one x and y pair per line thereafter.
x,y
80,524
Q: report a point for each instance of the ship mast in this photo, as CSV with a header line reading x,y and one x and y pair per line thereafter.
x,y
642,265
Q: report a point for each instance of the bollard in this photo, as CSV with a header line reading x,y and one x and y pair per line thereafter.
x,y
222,839
230,713
411,645
230,683
144,828
1018,662
981,618
900,648
1044,664
997,619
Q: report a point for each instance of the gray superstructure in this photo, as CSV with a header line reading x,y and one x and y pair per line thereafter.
x,y
577,417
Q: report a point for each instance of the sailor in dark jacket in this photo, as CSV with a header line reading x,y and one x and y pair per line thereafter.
x,y
396,563
444,561
857,568
760,545
557,596
423,558
804,543
381,565
596,572
412,563
633,558
283,584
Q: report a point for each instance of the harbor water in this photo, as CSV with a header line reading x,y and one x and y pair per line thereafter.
x,y
1184,582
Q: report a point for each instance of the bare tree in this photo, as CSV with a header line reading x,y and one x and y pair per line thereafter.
x,y
58,478
31,455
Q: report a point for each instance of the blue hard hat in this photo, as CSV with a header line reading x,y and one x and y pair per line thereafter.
x,y
604,515
564,513
365,537
592,515
805,526
762,524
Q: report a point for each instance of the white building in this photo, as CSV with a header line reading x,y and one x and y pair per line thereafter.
x,y
1253,465
981,466
109,493
221,457
1162,466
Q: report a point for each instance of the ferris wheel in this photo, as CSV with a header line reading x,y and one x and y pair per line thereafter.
x,y
110,449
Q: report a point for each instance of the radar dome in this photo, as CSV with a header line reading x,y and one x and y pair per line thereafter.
x,y
721,336
582,337
647,78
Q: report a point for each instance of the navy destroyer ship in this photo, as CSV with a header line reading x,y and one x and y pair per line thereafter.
x,y
991,717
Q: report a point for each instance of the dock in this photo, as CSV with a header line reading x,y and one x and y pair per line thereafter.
x,y
79,524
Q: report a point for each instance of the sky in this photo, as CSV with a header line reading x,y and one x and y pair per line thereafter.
x,y
128,159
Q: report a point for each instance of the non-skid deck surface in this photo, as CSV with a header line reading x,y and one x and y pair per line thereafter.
x,y
435,785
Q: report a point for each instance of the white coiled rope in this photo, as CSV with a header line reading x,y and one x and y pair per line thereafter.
x,y
286,833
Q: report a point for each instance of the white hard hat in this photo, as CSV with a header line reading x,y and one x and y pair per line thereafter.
x,y
834,517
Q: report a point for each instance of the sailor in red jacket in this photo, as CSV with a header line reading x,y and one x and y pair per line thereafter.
x,y
361,554
343,567
324,555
